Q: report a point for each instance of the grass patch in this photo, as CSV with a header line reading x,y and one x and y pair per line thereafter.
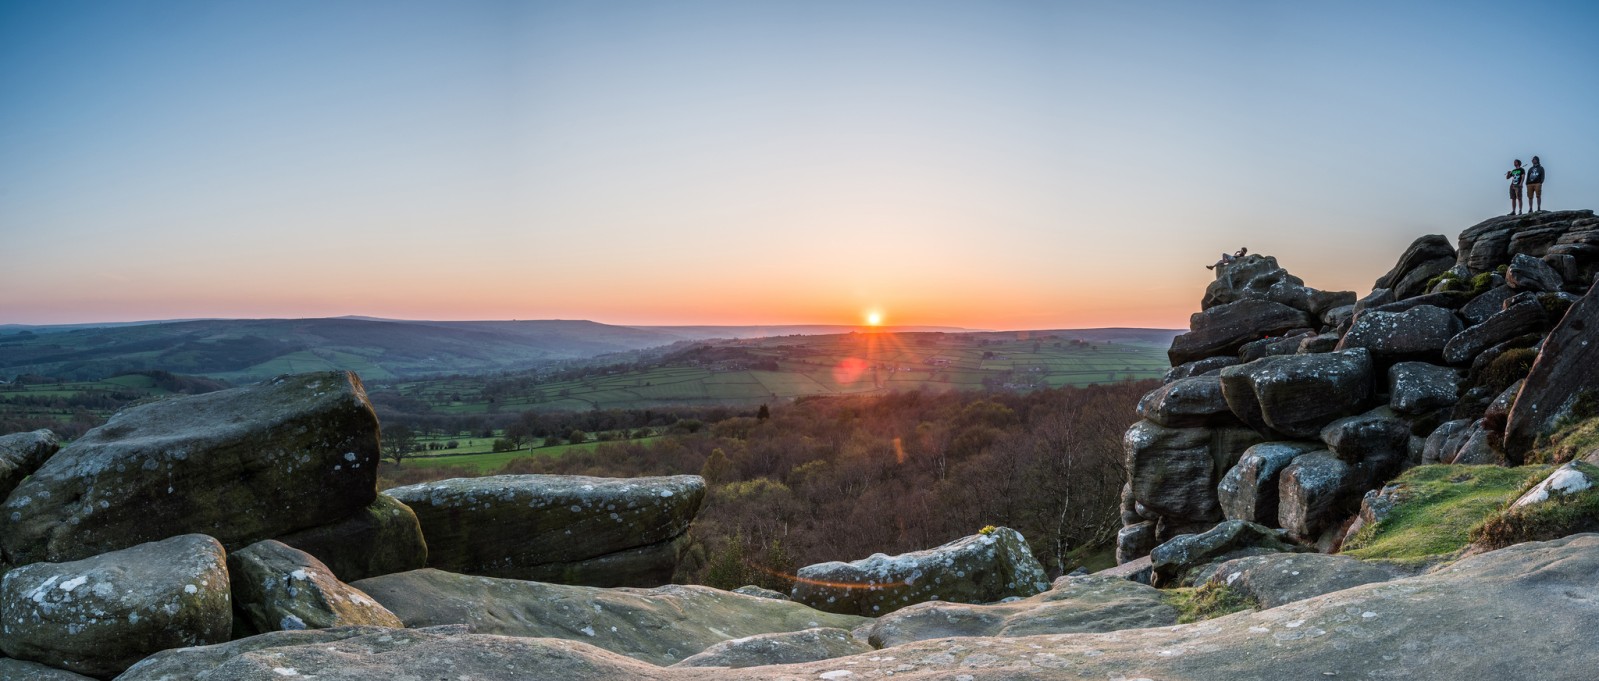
x,y
1571,441
1208,601
1440,504
485,464
1558,517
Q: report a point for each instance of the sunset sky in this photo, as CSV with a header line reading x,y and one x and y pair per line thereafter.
x,y
1002,165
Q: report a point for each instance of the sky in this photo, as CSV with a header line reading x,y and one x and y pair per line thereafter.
x,y
997,165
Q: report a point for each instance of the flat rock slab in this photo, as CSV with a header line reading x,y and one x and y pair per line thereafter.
x,y
981,568
277,587
1282,578
18,670
1073,605
660,626
99,615
1468,621
809,645
568,529
239,465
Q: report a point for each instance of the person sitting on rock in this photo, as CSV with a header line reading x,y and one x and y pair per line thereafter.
x,y
1535,186
1229,259
1514,175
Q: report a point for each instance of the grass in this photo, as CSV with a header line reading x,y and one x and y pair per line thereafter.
x,y
1440,505
489,462
1208,601
1561,515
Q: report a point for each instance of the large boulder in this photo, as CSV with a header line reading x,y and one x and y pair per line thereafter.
x,y
1519,317
557,528
981,568
99,615
787,647
1419,333
1298,394
18,670
1199,367
1259,277
1072,605
1316,492
1134,541
381,539
1427,257
278,587
1188,402
1275,579
1377,443
1419,387
22,453
1562,378
660,626
1173,471
1486,305
1527,273
1249,490
240,465
1176,560
1221,330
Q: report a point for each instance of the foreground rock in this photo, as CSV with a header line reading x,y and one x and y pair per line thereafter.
x,y
565,529
1563,375
1468,621
381,539
21,454
660,626
1281,578
1174,471
240,465
99,615
18,670
1249,490
1174,562
278,587
809,645
1073,605
977,569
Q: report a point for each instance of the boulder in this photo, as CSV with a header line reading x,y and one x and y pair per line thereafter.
x,y
1174,561
381,539
1288,344
1134,541
1376,443
240,465
1425,258
1493,242
22,453
1562,377
660,626
1321,342
1419,333
1249,490
1188,402
1518,318
1378,297
1316,492
1448,300
557,528
1296,395
1259,277
1527,273
1072,605
807,645
1174,471
980,568
1276,579
1569,479
1338,316
1498,411
1444,442
277,587
1477,446
761,591
1419,387
1221,330
99,615
18,670
1486,305
1199,367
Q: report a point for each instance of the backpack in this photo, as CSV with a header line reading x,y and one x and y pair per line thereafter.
x,y
1535,175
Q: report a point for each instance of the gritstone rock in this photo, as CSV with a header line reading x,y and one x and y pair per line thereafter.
x,y
1566,371
1419,387
1516,319
1420,332
1174,470
278,587
1222,329
381,539
1173,561
240,465
1199,367
1486,305
1072,605
1134,541
1427,257
1280,578
99,615
1249,491
1187,402
1493,242
1527,273
1298,394
787,647
557,528
21,454
18,670
977,569
1315,492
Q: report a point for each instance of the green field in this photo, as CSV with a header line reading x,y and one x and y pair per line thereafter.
x,y
485,461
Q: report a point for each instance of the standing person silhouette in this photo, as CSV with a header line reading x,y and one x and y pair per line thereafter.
x,y
1535,186
1514,175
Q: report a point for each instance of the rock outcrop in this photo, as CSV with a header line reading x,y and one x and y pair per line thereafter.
x,y
21,454
981,568
1275,579
809,645
277,587
1565,375
381,539
555,528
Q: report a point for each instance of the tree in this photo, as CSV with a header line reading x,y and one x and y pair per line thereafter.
x,y
763,414
717,468
398,442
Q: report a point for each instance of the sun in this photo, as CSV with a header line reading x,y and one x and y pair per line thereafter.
x,y
874,318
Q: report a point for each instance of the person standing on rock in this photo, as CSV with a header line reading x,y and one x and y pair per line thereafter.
x,y
1514,175
1535,186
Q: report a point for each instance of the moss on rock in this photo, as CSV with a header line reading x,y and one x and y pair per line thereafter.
x,y
1208,601
1438,508
1557,516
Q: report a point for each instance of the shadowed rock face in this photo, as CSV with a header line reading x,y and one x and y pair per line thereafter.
x,y
381,539
557,528
1492,242
240,465
1567,368
1187,402
21,454
1223,329
1426,258
976,569
1249,491
1468,621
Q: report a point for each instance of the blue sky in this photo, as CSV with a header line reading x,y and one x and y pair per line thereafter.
x,y
985,164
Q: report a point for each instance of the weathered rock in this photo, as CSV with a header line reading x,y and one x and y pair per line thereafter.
x,y
1419,387
1486,305
99,615
1571,478
1321,342
808,645
1527,273
1498,411
1296,395
977,569
1425,258
1259,277
1174,560
1376,443
1134,541
661,625
1419,333
1476,446
1562,376
1316,492
556,528
1516,319
1275,579
1199,367
1174,471
1288,344
761,592
1445,441
1379,296
1492,242
381,539
1249,490
1338,316
240,465
1072,605
22,453
1188,402
18,670
1222,329
278,587
1448,300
